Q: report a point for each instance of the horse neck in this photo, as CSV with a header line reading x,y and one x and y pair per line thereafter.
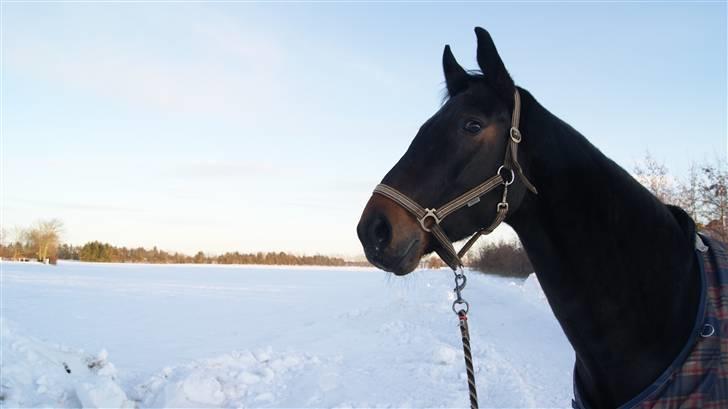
x,y
615,264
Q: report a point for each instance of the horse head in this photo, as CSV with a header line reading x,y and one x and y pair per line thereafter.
x,y
460,146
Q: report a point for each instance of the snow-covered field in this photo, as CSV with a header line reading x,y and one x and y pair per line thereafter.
x,y
114,335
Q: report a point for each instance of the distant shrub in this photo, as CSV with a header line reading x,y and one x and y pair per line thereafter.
x,y
434,262
503,258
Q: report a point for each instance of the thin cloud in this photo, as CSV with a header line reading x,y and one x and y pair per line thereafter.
x,y
234,71
84,207
223,169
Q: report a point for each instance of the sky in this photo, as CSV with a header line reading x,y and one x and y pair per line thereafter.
x,y
264,127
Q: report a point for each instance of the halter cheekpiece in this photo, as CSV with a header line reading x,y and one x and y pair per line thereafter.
x,y
430,219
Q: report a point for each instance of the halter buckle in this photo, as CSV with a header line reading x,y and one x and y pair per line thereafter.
x,y
516,135
429,213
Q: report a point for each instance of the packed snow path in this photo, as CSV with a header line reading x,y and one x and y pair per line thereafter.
x,y
237,336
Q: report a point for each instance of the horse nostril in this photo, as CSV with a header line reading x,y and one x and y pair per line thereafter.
x,y
380,232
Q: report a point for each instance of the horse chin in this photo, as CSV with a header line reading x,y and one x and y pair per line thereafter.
x,y
409,262
399,263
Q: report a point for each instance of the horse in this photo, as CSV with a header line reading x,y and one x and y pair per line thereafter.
x,y
618,267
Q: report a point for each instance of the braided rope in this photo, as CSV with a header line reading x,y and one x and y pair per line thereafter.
x,y
468,359
469,198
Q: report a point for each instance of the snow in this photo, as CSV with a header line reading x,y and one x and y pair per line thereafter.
x,y
533,290
253,336
37,373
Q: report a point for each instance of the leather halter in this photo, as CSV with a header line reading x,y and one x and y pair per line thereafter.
x,y
469,198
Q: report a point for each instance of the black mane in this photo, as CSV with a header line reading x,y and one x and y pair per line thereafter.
x,y
477,77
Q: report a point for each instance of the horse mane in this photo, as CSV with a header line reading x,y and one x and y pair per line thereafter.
x,y
476,77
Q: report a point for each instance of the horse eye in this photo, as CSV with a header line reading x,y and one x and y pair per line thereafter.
x,y
473,126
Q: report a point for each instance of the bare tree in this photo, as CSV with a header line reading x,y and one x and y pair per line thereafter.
x,y
654,176
44,238
21,242
714,197
688,192
703,194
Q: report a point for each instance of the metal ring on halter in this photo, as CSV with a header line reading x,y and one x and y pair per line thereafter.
x,y
707,331
515,135
429,213
513,175
463,303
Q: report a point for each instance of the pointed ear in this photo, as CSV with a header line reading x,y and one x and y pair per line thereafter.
x,y
455,76
492,66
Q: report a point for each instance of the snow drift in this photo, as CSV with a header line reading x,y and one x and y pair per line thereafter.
x,y
222,336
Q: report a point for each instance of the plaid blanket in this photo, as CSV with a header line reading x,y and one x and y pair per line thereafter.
x,y
698,377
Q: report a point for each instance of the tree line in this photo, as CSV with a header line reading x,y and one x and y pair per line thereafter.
x,y
104,252
41,242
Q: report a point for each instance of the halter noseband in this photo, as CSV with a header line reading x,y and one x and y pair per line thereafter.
x,y
469,198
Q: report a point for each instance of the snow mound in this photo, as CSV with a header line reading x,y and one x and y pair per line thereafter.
x,y
446,355
36,373
239,379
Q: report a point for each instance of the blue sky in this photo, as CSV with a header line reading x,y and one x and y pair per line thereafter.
x,y
256,127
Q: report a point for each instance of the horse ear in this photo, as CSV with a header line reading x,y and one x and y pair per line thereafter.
x,y
455,76
492,66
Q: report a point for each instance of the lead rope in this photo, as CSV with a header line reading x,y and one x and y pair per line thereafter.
x,y
461,308
511,167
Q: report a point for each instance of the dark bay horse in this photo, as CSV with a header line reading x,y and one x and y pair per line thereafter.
x,y
618,266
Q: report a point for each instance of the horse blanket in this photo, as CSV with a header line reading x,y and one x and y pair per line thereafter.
x,y
698,377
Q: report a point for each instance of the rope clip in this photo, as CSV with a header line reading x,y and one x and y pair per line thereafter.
x,y
460,305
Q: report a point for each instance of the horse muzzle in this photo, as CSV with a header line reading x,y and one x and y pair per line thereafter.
x,y
392,238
